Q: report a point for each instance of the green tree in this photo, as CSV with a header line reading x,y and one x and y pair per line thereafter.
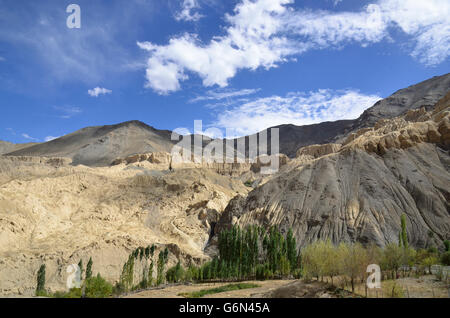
x,y
404,234
392,258
80,266
291,249
175,274
40,288
353,260
89,268
162,261
98,287
430,261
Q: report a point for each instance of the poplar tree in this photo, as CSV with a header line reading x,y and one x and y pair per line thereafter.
x,y
40,288
89,268
80,266
404,234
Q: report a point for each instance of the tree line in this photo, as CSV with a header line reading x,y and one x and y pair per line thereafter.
x,y
257,253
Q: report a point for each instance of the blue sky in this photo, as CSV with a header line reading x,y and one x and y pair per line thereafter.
x,y
241,64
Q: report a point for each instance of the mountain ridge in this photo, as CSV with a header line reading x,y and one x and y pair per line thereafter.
x,y
91,152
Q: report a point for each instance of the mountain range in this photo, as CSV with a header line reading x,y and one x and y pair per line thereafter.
x,y
104,191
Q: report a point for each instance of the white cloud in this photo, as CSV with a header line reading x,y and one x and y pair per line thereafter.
x,y
26,136
296,108
265,33
249,43
67,111
223,94
186,13
99,91
50,138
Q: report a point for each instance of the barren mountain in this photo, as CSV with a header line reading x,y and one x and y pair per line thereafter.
x,y
6,147
425,94
358,190
100,146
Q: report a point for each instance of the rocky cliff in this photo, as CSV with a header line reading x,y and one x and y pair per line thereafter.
x,y
358,191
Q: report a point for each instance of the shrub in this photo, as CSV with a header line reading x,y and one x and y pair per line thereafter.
x,y
73,293
447,245
98,287
118,289
297,273
445,258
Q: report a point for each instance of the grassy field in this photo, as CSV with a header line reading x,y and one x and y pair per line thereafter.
x,y
226,288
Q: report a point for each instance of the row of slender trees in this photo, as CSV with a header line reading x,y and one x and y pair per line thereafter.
x,y
146,258
252,253
256,253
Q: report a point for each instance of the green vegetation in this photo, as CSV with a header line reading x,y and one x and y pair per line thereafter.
x,y
162,261
403,241
175,274
98,287
89,269
140,256
447,245
80,266
40,288
445,258
249,183
257,253
217,290
73,293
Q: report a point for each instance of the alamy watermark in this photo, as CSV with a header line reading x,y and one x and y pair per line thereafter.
x,y
74,277
74,19
198,148
374,279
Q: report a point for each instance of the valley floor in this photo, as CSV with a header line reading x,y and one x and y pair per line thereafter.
x,y
175,291
409,287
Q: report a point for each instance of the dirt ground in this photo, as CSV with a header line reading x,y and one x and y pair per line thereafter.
x,y
174,291
407,287
410,287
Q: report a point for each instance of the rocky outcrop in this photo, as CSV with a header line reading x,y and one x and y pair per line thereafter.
x,y
317,151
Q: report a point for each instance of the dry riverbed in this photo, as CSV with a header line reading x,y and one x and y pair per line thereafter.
x,y
175,291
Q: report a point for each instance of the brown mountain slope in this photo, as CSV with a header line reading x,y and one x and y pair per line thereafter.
x,y
99,146
6,147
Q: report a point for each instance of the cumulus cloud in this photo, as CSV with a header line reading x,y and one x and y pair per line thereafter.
x,y
265,33
298,108
187,11
99,91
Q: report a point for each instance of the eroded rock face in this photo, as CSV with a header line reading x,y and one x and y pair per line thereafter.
x,y
317,151
359,191
54,213
356,196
